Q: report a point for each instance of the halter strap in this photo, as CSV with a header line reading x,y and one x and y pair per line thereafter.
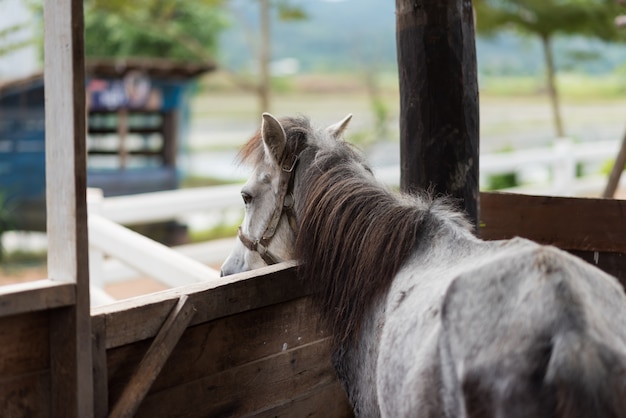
x,y
285,205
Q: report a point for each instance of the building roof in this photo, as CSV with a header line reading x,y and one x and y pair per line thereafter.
x,y
117,68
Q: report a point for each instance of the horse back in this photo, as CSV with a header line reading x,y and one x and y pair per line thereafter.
x,y
536,332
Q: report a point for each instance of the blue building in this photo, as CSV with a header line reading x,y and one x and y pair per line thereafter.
x,y
138,113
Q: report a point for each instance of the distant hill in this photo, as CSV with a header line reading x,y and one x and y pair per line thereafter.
x,y
346,35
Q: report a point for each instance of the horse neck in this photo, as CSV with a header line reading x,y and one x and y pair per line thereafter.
x,y
354,236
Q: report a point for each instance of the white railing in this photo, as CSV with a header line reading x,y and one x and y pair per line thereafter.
x,y
118,253
559,161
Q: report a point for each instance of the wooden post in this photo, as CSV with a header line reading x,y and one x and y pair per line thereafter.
x,y
438,99
70,327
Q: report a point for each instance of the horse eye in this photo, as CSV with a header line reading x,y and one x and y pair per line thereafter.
x,y
247,198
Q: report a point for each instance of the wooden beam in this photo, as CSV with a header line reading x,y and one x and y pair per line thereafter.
x,y
35,296
567,223
64,78
154,360
438,99
140,318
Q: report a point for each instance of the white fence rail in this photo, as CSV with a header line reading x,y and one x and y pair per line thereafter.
x,y
119,254
557,163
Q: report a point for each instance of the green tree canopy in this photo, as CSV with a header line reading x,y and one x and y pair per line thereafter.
x,y
592,18
545,19
176,29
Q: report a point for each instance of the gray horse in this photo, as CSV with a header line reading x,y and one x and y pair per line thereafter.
x,y
427,319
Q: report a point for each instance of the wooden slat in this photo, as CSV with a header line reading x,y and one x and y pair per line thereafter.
x,y
568,223
66,183
325,401
252,387
25,345
140,318
100,370
219,345
25,365
35,296
611,263
152,363
26,395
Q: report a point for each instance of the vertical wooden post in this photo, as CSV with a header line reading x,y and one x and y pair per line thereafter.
x,y
68,261
438,99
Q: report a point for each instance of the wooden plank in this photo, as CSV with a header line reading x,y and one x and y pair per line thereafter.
x,y
325,401
66,181
26,395
25,344
219,345
35,296
568,223
100,370
25,365
140,318
254,386
170,138
439,99
611,263
152,363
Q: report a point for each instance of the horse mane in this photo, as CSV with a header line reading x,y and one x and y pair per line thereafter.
x,y
354,235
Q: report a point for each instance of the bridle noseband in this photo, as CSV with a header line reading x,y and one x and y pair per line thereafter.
x,y
285,205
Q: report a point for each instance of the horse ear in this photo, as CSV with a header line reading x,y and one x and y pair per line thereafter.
x,y
274,137
337,129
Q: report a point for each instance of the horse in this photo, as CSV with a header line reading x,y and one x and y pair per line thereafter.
x,y
428,320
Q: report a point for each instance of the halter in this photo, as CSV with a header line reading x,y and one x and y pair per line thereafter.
x,y
285,205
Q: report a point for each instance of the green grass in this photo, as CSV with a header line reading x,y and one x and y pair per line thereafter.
x,y
222,230
570,86
202,181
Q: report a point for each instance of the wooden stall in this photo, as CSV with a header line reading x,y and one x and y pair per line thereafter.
x,y
245,345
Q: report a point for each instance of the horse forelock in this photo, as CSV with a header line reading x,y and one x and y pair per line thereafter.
x,y
354,236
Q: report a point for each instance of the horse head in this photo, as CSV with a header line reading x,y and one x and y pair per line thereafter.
x,y
268,231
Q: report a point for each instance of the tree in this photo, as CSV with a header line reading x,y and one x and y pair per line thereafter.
x,y
545,19
180,29
12,37
261,43
176,29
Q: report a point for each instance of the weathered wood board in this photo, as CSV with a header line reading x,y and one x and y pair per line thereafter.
x,y
593,229
254,348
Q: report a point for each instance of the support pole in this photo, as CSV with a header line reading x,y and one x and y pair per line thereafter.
x,y
439,140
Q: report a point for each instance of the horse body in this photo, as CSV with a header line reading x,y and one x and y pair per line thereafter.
x,y
510,329
427,319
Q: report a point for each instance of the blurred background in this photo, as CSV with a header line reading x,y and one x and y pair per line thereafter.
x,y
175,87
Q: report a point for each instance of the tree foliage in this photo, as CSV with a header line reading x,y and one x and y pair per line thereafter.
x,y
176,29
545,19
593,18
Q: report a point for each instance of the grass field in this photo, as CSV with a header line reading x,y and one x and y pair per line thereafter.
x,y
514,111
